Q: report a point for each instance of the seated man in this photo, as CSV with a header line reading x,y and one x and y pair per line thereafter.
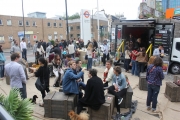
x,y
108,73
69,83
94,93
119,88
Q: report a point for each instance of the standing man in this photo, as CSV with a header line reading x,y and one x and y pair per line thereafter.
x,y
44,47
15,48
23,49
12,43
105,52
159,51
16,74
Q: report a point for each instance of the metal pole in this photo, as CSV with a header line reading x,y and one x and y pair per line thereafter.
x,y
23,17
67,27
92,21
98,18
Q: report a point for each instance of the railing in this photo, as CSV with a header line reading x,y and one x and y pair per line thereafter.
x,y
120,50
149,50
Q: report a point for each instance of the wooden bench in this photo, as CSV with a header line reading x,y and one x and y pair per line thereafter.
x,y
106,110
142,82
57,105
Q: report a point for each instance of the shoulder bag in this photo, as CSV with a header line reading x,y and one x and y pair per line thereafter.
x,y
40,86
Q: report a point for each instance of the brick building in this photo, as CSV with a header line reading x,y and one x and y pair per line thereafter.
x,y
11,27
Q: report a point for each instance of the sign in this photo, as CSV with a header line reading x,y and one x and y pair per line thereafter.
x,y
21,33
113,33
34,37
177,11
86,14
85,25
165,67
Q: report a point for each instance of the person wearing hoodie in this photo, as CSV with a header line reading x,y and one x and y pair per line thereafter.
x,y
69,83
15,48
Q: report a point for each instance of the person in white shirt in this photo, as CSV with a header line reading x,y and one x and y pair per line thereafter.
x,y
23,49
71,49
40,49
108,73
159,51
12,43
105,52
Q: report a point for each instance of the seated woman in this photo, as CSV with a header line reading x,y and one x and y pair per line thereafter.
x,y
118,88
70,78
94,93
57,70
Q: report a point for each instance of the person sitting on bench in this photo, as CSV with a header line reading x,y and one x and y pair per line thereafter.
x,y
94,93
108,73
69,82
119,88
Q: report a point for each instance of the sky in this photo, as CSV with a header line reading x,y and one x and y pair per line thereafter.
x,y
57,7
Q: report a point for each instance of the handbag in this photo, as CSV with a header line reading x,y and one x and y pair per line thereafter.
x,y
39,85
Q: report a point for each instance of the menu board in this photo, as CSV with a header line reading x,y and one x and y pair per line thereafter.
x,y
163,37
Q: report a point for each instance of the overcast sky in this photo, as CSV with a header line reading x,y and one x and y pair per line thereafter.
x,y
57,7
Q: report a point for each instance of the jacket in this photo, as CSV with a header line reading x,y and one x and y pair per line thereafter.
x,y
69,81
121,81
56,50
2,57
154,75
15,48
94,93
142,59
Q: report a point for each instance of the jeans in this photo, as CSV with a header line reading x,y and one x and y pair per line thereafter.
x,y
80,106
23,92
1,71
118,95
24,54
82,85
134,68
153,91
44,93
126,64
140,67
89,64
104,58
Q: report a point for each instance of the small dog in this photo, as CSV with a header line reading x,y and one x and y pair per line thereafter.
x,y
33,100
81,116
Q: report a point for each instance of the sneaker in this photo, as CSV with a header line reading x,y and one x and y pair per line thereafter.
x,y
120,101
148,108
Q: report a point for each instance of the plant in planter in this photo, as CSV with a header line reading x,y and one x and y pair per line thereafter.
x,y
19,109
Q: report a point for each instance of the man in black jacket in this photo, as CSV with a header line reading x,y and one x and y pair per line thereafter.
x,y
44,47
56,50
94,93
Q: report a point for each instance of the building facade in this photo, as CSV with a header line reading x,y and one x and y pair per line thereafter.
x,y
11,27
170,4
37,15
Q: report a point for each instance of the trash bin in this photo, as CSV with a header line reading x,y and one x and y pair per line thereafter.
x,y
7,80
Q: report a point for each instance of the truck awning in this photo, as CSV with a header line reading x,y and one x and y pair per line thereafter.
x,y
135,22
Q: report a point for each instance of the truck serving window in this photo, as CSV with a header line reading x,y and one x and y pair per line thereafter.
x,y
178,46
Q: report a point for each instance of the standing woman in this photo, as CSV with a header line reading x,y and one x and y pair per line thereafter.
x,y
2,62
154,77
89,54
40,49
127,59
43,74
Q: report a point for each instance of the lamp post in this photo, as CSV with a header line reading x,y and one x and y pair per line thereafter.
x,y
67,27
98,18
23,17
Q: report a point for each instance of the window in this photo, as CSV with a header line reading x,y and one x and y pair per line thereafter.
x,y
71,28
78,35
20,23
1,38
1,23
34,23
9,22
55,37
54,24
60,25
71,35
78,27
10,37
49,24
178,46
61,36
27,23
49,37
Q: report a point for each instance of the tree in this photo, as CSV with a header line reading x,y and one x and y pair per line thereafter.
x,y
74,16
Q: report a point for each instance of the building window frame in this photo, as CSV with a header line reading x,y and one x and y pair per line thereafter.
x,y
78,35
2,39
71,28
20,23
49,37
1,22
28,23
78,27
34,23
49,24
60,24
71,35
9,22
10,38
55,24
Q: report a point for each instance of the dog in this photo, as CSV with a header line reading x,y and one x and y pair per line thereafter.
x,y
81,116
33,100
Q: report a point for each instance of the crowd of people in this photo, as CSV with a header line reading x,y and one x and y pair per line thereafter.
x,y
69,73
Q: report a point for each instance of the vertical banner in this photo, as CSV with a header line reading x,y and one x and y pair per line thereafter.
x,y
85,25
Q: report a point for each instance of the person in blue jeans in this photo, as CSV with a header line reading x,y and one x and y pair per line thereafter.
x,y
134,70
154,77
2,62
